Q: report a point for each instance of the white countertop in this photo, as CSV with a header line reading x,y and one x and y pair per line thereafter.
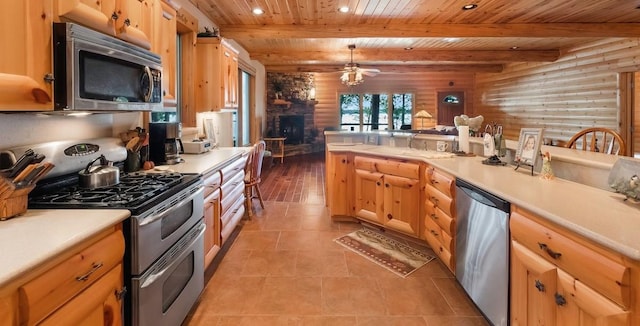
x,y
32,238
205,162
596,214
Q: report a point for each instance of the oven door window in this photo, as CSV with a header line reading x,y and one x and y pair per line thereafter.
x,y
176,219
177,281
111,79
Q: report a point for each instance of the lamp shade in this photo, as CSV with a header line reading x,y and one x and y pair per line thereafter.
x,y
423,114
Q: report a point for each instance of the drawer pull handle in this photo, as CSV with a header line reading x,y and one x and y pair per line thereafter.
x,y
539,286
560,300
86,276
435,200
434,233
551,253
434,216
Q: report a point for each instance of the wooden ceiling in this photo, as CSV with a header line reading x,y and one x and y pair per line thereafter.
x,y
313,35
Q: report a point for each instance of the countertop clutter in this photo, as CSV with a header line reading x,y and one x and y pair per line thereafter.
x,y
599,215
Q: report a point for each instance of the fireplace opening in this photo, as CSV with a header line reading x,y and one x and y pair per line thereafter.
x,y
292,127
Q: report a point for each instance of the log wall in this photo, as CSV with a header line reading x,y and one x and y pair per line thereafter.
x,y
577,91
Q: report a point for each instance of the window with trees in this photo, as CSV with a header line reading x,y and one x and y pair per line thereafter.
x,y
366,112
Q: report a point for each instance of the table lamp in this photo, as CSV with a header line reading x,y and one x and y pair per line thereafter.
x,y
423,114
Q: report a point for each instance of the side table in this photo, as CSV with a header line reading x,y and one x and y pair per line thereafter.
x,y
276,146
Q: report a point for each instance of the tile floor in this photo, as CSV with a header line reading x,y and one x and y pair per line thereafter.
x,y
285,269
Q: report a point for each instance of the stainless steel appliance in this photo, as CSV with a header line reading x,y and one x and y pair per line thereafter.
x,y
482,250
97,72
165,144
164,238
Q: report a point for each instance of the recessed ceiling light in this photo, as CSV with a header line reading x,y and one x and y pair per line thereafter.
x,y
409,48
514,47
470,6
343,9
451,39
258,11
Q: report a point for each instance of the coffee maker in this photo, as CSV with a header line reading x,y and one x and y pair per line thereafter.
x,y
165,145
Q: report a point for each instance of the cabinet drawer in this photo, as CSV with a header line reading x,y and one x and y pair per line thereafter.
x,y
441,181
442,201
390,167
51,290
230,219
446,222
229,171
212,182
231,185
592,268
445,239
445,256
231,198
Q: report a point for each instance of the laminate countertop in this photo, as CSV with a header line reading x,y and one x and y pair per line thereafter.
x,y
204,163
38,235
599,215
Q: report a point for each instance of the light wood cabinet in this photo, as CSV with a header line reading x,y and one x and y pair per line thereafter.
x,y
339,171
231,197
164,44
26,68
439,215
387,192
97,15
216,76
212,240
85,288
557,278
135,21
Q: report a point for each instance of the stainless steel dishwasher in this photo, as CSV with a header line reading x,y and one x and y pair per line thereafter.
x,y
482,250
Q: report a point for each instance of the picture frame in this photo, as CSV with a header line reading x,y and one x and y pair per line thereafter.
x,y
528,151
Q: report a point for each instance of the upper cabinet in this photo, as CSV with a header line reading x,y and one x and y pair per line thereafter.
x,y
135,21
26,72
216,76
164,43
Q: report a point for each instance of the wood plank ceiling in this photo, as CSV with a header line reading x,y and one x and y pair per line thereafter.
x,y
416,35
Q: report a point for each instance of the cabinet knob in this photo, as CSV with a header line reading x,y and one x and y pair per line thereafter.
x,y
386,185
389,216
114,16
127,22
378,183
121,293
539,286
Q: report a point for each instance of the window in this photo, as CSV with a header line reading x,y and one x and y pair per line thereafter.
x,y
366,112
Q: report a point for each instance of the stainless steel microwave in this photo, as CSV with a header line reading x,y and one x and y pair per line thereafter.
x,y
97,72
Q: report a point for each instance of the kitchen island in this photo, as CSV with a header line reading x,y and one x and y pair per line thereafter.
x,y
583,236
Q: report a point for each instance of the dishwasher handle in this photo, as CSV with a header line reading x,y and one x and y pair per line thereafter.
x,y
482,196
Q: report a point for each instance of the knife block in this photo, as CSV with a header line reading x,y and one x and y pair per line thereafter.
x,y
13,201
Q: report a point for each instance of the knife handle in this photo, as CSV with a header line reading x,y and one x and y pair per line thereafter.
x,y
24,173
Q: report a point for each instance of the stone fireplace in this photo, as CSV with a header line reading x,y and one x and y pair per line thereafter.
x,y
292,127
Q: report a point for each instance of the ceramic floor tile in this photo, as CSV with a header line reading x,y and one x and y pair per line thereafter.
x,y
352,296
270,263
455,321
456,297
321,263
288,295
256,240
391,321
425,298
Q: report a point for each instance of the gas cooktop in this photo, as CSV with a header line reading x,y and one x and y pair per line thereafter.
x,y
134,190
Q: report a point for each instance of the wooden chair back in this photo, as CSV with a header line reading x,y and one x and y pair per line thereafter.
x,y
253,167
601,140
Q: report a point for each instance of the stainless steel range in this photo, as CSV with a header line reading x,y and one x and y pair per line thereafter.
x,y
164,236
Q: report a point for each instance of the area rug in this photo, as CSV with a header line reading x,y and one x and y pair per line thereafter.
x,y
395,256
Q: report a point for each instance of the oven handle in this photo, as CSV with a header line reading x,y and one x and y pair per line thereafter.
x,y
172,208
153,277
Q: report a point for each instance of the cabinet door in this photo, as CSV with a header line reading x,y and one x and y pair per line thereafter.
x,y
402,204
339,190
230,77
26,66
208,80
212,221
164,43
98,305
99,15
533,285
581,306
135,21
369,195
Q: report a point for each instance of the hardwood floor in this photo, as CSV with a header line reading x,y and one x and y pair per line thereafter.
x,y
285,269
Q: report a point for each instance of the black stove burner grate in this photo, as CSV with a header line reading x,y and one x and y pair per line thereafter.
x,y
134,189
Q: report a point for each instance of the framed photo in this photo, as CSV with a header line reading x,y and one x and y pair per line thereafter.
x,y
529,143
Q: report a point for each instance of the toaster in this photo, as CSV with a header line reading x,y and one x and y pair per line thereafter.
x,y
197,146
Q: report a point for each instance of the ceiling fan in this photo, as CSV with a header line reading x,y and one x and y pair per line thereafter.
x,y
352,74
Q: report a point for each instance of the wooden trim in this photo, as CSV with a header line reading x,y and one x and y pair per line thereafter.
x,y
389,69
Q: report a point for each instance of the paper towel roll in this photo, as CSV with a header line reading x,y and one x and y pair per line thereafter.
x,y
463,135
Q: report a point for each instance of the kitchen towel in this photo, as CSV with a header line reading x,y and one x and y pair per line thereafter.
x,y
463,135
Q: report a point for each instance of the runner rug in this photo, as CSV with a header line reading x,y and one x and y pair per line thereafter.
x,y
389,253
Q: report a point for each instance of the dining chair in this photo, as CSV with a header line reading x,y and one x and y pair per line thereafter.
x,y
252,172
596,139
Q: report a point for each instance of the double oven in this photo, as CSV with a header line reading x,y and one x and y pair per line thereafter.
x,y
163,263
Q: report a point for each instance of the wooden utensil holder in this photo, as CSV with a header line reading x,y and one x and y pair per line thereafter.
x,y
13,201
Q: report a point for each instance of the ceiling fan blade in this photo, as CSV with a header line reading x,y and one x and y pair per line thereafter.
x,y
369,71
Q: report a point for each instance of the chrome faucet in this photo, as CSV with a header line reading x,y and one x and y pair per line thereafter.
x,y
410,140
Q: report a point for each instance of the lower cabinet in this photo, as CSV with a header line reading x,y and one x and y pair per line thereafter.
x,y
558,280
339,189
84,289
440,215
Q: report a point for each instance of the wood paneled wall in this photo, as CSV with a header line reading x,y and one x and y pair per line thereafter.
x,y
577,91
424,86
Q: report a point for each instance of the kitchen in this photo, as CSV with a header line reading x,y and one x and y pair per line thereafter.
x,y
18,131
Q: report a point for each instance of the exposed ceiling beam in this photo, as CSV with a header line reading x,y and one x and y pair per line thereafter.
x,y
401,55
469,68
432,30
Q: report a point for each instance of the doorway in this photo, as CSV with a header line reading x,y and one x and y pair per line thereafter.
x,y
450,104
629,115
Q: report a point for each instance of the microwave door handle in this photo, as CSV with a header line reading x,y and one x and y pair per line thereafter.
x,y
153,277
147,96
